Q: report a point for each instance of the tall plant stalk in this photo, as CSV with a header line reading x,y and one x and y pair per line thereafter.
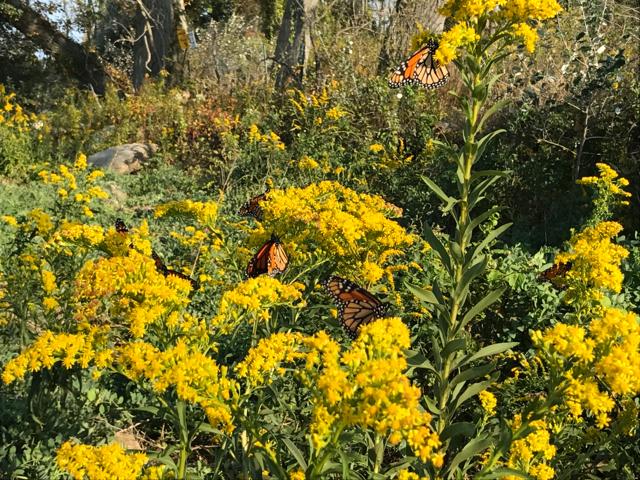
x,y
483,36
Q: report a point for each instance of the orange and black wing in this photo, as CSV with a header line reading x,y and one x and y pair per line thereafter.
x,y
120,226
164,270
271,259
556,272
428,72
278,259
357,307
252,207
403,75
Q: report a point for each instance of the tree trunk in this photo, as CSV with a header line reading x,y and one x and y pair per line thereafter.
x,y
402,26
294,38
155,45
79,63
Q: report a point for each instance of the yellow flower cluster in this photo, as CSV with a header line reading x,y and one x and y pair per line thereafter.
x,y
195,377
511,16
119,244
13,115
609,191
50,348
270,140
254,297
128,288
107,462
40,221
307,163
488,402
78,233
607,352
458,36
330,222
312,109
407,475
595,263
204,213
531,453
66,180
364,386
607,180
265,359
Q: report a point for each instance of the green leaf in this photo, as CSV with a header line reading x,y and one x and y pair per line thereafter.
x,y
297,454
479,307
438,247
491,236
487,351
416,359
473,373
469,275
453,346
490,112
466,429
422,294
484,142
431,405
436,189
478,191
488,173
471,449
468,231
470,392
504,472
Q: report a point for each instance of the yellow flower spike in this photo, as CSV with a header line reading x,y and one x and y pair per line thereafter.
x,y
99,463
255,296
205,213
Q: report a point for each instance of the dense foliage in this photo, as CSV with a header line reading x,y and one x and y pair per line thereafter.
x,y
510,347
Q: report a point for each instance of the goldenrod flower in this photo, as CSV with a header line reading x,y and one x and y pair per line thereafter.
x,y
488,402
107,462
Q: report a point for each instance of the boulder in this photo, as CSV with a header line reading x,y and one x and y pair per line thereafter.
x,y
124,159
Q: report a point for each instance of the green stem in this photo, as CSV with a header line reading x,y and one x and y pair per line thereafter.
x,y
463,222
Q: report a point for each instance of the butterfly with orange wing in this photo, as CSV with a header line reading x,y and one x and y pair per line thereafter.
x,y
122,228
252,208
556,273
357,307
271,259
421,69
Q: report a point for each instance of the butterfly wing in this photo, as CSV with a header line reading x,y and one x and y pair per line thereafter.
x,y
259,264
121,227
428,73
164,270
357,306
404,74
278,260
556,272
252,208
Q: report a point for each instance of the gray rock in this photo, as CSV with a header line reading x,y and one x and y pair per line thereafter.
x,y
123,159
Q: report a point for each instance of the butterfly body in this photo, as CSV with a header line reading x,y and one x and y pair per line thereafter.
x,y
421,68
556,272
357,307
252,208
122,228
271,259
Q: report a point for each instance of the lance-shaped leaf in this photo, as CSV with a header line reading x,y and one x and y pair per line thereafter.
x,y
487,351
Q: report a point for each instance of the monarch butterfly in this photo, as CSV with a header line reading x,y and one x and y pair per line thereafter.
x,y
271,259
555,273
357,306
162,268
122,228
252,208
421,69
